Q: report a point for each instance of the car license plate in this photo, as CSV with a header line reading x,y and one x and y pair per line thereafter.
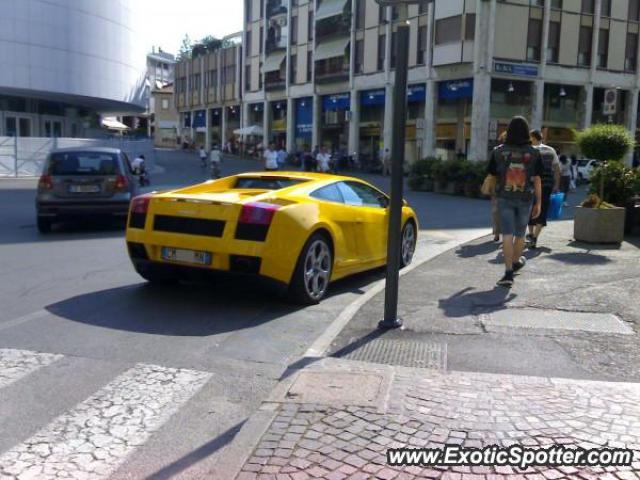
x,y
84,188
186,256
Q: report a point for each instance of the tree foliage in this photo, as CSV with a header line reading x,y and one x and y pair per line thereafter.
x,y
185,48
605,142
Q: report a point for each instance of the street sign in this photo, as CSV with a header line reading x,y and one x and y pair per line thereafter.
x,y
518,69
610,104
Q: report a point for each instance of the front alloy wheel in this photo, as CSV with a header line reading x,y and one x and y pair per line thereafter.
x,y
408,244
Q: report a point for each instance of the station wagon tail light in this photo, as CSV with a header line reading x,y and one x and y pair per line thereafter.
x,y
258,213
122,184
45,182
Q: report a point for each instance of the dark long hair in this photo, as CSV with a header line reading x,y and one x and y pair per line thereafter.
x,y
518,132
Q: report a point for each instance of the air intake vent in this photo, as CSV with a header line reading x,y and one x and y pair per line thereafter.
x,y
189,226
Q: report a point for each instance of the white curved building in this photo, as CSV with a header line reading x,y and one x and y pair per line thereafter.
x,y
64,61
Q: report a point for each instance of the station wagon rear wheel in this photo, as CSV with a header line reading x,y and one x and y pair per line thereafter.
x,y
312,275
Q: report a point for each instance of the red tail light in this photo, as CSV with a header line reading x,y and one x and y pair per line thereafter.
x,y
122,184
258,213
140,205
45,182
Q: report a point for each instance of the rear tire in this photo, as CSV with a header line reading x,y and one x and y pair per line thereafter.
x,y
44,225
312,275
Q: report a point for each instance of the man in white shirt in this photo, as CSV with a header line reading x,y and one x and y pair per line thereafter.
x,y
138,164
324,161
203,156
216,158
270,159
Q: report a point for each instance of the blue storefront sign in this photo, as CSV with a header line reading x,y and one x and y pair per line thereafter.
x,y
370,98
187,120
333,103
454,89
417,93
304,118
200,119
517,69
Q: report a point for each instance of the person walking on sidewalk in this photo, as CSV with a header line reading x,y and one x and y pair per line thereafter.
x,y
270,159
565,178
517,166
216,159
203,156
550,184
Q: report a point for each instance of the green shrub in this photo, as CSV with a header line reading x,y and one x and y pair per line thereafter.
x,y
605,142
424,167
618,182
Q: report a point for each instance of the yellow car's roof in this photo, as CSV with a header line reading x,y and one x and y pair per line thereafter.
x,y
312,176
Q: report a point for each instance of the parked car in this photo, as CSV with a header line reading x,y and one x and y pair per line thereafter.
x,y
298,230
585,168
84,182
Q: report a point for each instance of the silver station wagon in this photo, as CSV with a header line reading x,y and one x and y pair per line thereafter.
x,y
83,183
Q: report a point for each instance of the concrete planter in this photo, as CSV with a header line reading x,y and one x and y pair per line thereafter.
x,y
595,225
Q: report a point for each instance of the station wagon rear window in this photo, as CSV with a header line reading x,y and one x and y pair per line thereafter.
x,y
266,183
83,163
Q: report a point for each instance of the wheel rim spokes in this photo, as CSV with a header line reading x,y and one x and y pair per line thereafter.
x,y
317,269
408,244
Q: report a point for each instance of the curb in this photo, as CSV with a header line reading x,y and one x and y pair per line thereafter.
x,y
242,446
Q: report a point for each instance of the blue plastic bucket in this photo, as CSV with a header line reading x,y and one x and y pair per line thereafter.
x,y
555,206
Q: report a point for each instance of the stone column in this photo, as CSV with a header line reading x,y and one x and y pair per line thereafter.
x,y
354,124
317,116
631,118
207,124
537,107
266,124
223,126
479,148
291,123
388,117
587,113
429,130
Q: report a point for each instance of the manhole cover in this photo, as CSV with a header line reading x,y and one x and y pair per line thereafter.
x,y
402,353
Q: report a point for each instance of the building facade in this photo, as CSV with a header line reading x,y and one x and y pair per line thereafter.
x,y
321,72
160,74
208,94
62,63
165,117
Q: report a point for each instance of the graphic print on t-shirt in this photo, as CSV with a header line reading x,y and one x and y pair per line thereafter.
x,y
516,174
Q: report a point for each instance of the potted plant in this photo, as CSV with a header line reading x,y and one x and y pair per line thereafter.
x,y
421,174
600,219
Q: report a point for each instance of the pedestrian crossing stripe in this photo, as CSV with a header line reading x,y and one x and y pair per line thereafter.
x,y
16,364
95,437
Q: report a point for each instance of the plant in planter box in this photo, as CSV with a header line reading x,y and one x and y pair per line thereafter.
x,y
593,223
474,178
421,174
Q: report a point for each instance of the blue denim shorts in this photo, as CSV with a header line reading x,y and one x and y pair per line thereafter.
x,y
514,216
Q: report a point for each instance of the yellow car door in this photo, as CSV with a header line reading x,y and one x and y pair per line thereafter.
x,y
370,212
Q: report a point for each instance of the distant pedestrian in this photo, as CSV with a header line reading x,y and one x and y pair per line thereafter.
x,y
323,161
216,159
282,158
550,184
386,162
517,167
270,159
565,178
203,156
574,172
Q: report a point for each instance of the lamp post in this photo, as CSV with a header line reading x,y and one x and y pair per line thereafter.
x,y
394,242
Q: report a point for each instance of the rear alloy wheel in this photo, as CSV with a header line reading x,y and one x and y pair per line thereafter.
x,y
44,225
312,275
408,244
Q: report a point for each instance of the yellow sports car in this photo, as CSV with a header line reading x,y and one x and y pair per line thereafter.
x,y
301,230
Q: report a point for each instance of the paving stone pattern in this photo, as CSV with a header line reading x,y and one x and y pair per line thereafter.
x,y
431,409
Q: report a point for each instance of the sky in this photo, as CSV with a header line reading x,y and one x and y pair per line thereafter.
x,y
167,21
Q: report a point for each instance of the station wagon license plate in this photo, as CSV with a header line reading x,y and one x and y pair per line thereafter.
x,y
84,188
186,256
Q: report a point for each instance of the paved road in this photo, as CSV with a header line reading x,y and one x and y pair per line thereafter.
x,y
141,381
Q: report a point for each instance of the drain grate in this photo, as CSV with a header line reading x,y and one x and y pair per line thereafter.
x,y
401,353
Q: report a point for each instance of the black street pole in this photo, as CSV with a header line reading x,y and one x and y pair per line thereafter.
x,y
391,319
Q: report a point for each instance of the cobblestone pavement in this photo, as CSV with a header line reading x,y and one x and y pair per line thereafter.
x,y
431,409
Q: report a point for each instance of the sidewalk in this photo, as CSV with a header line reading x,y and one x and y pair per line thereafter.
x,y
555,360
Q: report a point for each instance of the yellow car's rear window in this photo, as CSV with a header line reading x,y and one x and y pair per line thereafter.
x,y
266,183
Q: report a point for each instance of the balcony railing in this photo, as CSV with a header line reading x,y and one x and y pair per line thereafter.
x,y
328,71
274,81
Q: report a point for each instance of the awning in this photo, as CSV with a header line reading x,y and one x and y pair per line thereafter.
x,y
331,49
254,130
112,124
273,62
330,8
